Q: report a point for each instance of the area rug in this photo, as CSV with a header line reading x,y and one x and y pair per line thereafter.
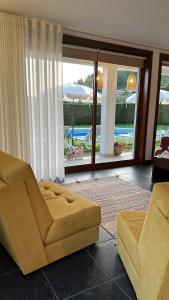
x,y
113,194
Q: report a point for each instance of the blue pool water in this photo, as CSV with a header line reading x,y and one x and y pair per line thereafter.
x,y
82,132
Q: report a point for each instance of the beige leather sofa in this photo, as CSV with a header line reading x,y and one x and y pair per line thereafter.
x,y
143,244
41,223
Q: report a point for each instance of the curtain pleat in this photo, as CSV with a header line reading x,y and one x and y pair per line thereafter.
x,y
45,99
13,96
31,101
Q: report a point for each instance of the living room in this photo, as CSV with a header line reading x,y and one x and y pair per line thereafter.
x,y
84,148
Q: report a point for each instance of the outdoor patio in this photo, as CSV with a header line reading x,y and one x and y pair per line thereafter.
x,y
99,159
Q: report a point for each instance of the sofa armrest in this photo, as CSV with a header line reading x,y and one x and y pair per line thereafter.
x,y
19,232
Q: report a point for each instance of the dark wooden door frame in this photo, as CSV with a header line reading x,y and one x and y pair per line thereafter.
x,y
163,57
143,103
143,111
94,114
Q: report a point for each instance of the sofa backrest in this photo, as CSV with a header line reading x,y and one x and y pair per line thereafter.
x,y
13,170
154,245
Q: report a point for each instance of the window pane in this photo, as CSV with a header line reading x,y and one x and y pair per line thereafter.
x,y
78,106
116,112
162,131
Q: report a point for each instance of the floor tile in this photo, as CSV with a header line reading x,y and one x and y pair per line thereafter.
x,y
85,176
16,286
104,235
125,170
73,274
6,262
144,168
106,291
105,173
124,283
138,176
107,257
134,171
141,181
69,180
130,176
142,171
144,183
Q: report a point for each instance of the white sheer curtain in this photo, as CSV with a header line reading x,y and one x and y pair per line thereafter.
x,y
31,102
13,98
45,100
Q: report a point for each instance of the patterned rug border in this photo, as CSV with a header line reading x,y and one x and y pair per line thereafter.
x,y
93,179
104,178
110,205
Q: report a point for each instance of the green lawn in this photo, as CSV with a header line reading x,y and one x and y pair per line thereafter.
x,y
125,125
162,127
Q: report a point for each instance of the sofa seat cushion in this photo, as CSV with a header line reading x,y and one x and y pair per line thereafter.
x,y
70,212
129,227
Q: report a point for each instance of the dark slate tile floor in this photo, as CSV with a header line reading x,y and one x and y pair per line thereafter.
x,y
95,272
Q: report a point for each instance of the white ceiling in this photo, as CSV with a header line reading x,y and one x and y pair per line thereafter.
x,y
142,21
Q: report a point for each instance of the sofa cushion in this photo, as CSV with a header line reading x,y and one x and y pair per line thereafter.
x,y
70,212
129,227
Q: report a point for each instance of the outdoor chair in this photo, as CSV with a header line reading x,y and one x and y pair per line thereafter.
x,y
66,138
87,140
41,223
159,134
122,133
143,245
66,128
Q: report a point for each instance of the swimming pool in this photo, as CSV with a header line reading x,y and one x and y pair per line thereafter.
x,y
82,132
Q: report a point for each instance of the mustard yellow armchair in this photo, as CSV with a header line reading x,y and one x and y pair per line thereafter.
x,y
143,245
41,223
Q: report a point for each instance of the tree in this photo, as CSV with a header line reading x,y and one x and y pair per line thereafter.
x,y
88,81
122,76
121,79
164,84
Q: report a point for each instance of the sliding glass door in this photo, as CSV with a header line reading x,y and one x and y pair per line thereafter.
x,y
102,118
78,106
162,128
116,110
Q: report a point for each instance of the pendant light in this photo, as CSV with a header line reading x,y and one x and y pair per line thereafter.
x,y
99,79
131,82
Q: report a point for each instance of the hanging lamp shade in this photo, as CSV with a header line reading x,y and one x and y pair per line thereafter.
x,y
99,79
131,82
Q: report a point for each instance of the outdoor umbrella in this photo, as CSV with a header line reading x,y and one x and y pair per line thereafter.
x,y
79,92
164,97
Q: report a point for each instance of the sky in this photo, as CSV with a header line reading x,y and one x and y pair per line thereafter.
x,y
73,72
